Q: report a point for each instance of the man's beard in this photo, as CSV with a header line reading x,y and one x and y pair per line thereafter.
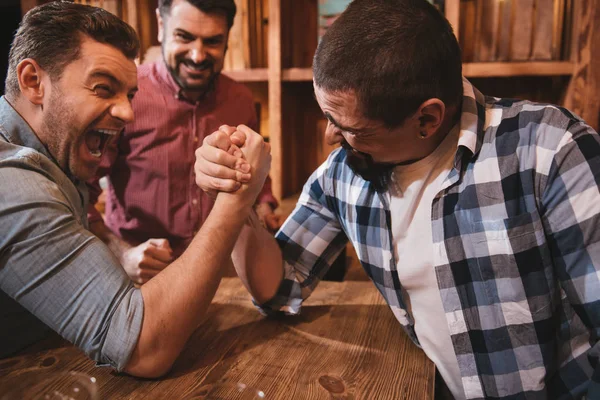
x,y
202,88
56,125
363,165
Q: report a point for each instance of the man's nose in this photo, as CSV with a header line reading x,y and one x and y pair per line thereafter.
x,y
197,54
333,135
122,110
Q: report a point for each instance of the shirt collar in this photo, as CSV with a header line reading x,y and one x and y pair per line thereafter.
x,y
472,119
167,79
17,131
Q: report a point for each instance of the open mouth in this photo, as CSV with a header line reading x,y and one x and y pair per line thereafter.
x,y
96,140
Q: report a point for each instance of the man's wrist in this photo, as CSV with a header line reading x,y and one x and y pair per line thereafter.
x,y
233,203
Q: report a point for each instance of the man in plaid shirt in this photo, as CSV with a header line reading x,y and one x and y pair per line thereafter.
x,y
477,210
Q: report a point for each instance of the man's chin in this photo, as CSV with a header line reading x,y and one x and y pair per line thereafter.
x,y
376,173
84,172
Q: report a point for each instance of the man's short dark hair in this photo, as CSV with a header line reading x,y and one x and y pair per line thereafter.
x,y
51,34
225,7
394,54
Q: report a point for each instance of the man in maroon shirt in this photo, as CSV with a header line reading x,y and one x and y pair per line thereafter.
x,y
153,206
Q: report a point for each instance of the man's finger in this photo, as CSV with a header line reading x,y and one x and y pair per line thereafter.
x,y
246,130
238,138
149,262
218,139
229,130
224,185
212,170
235,151
160,243
217,156
159,254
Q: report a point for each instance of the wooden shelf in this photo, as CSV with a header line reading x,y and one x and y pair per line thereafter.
x,y
249,75
297,74
473,70
511,68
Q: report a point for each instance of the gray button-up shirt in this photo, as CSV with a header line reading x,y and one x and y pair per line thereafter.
x,y
54,273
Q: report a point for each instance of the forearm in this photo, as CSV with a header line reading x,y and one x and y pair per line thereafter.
x,y
117,245
258,261
177,298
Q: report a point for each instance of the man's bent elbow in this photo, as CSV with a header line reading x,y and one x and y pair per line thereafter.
x,y
149,366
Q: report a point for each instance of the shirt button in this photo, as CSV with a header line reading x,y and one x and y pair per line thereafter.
x,y
194,201
195,139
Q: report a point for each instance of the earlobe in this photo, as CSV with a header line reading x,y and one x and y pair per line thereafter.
x,y
432,114
29,74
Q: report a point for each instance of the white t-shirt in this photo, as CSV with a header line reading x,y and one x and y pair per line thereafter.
x,y
412,190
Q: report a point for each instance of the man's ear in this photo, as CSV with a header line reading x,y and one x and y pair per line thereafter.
x,y
29,75
431,115
161,27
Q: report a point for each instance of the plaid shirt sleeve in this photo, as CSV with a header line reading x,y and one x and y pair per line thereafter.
x,y
310,240
571,202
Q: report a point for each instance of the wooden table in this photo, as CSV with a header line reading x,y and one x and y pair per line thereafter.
x,y
346,344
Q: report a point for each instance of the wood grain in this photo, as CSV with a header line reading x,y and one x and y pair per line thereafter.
x,y
346,344
522,29
583,94
543,30
275,130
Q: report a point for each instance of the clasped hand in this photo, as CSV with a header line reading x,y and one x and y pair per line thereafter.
x,y
233,160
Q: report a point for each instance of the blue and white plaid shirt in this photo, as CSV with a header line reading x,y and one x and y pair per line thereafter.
x,y
516,233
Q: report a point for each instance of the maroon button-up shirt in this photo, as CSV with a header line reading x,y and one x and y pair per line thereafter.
x,y
152,191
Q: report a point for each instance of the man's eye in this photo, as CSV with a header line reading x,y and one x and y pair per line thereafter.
x,y
103,91
213,42
183,38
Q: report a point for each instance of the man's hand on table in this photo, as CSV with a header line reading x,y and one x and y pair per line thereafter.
x,y
143,262
267,217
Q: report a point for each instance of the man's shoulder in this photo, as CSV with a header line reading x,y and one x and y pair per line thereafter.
x,y
147,75
529,112
146,70
28,174
16,156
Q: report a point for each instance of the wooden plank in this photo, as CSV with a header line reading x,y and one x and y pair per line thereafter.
x,y
522,29
583,94
504,30
488,33
264,27
483,69
452,13
345,344
530,68
248,75
543,32
275,138
558,23
236,46
468,18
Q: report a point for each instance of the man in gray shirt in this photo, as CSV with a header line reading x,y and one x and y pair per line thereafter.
x,y
70,82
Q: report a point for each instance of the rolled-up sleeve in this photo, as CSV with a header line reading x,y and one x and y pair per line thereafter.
x,y
310,240
62,273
